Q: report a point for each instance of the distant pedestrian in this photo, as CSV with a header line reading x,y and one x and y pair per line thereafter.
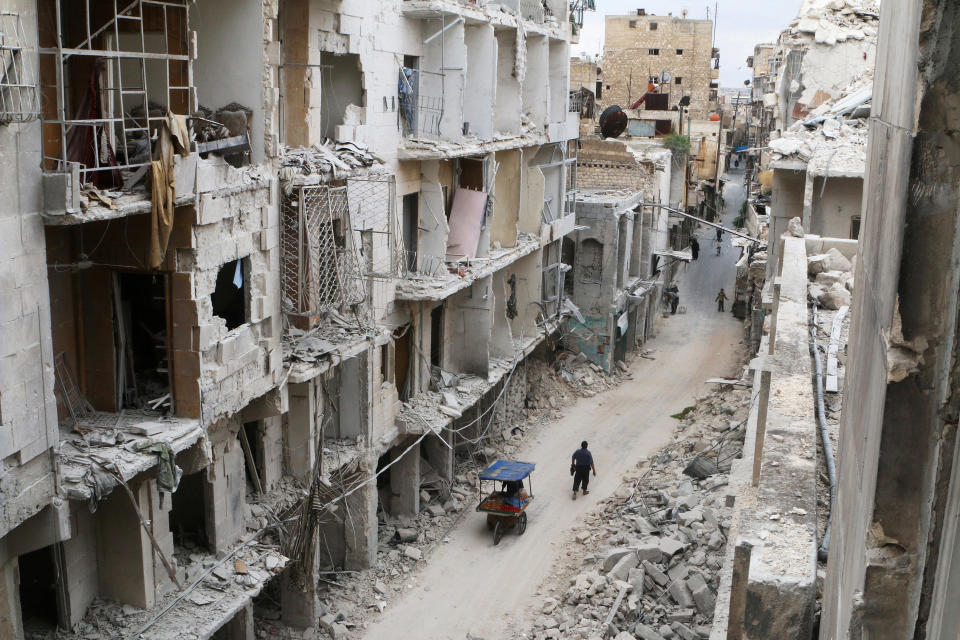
x,y
582,463
673,294
719,234
695,247
720,298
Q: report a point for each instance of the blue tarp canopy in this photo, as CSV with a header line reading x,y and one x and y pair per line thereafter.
x,y
507,470
741,148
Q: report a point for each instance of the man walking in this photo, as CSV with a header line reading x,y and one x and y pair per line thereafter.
x,y
582,463
694,247
720,298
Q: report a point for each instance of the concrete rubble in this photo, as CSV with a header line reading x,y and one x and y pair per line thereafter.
x,y
659,541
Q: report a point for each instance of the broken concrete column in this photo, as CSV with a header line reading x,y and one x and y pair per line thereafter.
x,y
405,481
299,606
360,529
440,456
272,469
11,624
225,488
125,558
300,434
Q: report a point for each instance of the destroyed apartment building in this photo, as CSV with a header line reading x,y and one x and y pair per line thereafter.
x,y
267,271
844,502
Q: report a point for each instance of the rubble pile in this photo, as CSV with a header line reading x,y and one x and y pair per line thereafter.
x,y
831,21
833,139
319,162
337,332
649,556
831,276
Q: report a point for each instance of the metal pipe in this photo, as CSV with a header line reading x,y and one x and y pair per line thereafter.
x,y
824,549
699,219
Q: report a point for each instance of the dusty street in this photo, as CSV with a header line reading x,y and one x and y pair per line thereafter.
x,y
470,586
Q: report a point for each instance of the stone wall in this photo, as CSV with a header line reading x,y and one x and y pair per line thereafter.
x,y
628,62
28,413
607,164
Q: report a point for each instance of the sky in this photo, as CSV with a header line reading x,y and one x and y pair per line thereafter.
x,y
741,25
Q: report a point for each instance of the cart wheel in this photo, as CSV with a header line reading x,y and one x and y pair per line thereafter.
x,y
497,532
521,524
491,520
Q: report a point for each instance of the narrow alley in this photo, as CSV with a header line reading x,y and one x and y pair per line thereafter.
x,y
293,293
622,426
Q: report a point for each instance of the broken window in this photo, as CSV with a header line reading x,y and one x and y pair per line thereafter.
x,y
341,92
653,52
229,298
120,72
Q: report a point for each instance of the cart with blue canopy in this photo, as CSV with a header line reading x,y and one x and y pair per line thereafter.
x,y
506,506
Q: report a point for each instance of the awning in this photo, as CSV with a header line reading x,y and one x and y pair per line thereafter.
x,y
686,255
507,470
741,148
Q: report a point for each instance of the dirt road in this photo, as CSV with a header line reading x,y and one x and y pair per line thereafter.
x,y
470,586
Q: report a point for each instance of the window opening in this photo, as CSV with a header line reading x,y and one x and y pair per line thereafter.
x,y
254,434
142,344
678,80
436,336
229,296
401,361
653,52
679,52
653,26
110,75
855,227
411,221
188,514
341,80
633,24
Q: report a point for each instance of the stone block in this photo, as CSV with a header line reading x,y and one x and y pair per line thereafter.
x,y
680,594
621,570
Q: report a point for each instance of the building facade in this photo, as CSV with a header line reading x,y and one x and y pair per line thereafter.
x,y
675,54
252,246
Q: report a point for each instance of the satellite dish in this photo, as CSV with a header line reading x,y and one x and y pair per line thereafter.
x,y
664,76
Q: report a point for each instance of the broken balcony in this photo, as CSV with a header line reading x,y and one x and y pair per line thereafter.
x,y
119,111
338,243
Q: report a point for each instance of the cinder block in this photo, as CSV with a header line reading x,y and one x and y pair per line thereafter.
x,y
212,209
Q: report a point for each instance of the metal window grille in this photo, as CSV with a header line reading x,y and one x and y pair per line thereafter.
x,y
319,272
108,82
419,114
333,238
372,214
19,98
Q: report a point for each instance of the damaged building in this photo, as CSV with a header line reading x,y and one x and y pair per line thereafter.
x,y
674,53
267,271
